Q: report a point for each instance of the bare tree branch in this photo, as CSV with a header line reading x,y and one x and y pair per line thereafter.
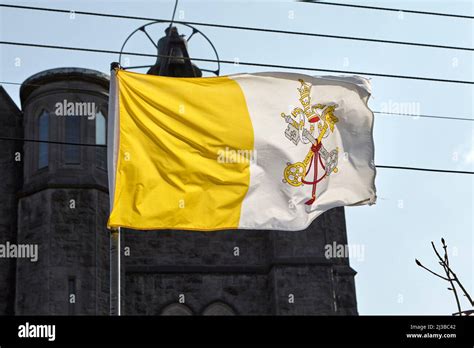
x,y
451,277
436,274
447,271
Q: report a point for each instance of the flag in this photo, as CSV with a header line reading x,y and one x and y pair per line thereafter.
x,y
248,151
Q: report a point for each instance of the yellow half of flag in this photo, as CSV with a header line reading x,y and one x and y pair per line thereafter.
x,y
170,134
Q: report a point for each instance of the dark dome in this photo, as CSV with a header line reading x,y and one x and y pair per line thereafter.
x,y
59,75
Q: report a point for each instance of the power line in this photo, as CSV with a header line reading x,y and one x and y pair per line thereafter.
x,y
377,166
375,112
238,63
174,13
391,9
224,26
51,142
36,85
426,169
167,42
425,116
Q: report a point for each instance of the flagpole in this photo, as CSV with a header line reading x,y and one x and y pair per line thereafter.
x,y
115,281
115,307
119,287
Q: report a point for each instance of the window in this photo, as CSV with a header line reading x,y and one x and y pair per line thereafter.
x,y
43,130
73,135
101,152
176,309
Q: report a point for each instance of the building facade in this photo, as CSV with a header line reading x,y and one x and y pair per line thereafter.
x,y
56,196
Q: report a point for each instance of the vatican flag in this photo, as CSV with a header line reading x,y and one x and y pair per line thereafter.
x,y
248,151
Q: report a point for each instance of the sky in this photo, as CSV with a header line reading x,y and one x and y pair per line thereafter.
x,y
413,208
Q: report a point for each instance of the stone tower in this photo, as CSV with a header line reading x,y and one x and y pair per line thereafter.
x,y
63,202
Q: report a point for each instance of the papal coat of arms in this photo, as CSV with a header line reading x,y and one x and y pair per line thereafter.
x,y
310,125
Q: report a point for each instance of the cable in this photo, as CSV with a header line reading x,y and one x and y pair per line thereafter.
x,y
36,85
426,169
375,112
51,142
425,116
239,63
167,42
377,166
174,13
390,9
340,37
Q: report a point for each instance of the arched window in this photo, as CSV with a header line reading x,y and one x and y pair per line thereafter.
x,y
176,309
73,135
218,308
100,129
43,134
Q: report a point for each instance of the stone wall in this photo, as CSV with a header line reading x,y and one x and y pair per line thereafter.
x,y
151,293
10,182
73,253
275,272
319,285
